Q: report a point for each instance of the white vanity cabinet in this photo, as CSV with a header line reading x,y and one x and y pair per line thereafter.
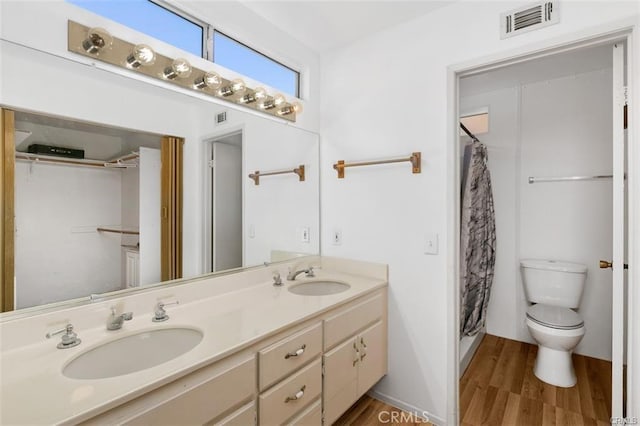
x,y
207,396
308,374
353,366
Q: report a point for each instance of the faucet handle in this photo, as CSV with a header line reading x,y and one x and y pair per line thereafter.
x,y
160,314
277,279
310,273
69,338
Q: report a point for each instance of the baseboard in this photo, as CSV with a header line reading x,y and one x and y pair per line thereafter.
x,y
407,407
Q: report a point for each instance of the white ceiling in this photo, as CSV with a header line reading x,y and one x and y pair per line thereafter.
x,y
541,69
325,24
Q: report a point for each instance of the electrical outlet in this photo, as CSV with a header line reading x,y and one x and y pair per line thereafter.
x,y
337,237
304,235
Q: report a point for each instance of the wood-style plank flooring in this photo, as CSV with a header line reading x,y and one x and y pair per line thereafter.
x,y
368,411
499,388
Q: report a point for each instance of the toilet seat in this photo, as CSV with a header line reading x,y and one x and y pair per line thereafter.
x,y
555,317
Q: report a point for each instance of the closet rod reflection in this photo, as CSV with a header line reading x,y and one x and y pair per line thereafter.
x,y
533,179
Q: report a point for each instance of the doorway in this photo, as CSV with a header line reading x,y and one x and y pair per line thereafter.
x,y
557,175
224,195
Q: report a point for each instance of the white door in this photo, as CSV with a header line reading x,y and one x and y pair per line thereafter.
x,y
617,353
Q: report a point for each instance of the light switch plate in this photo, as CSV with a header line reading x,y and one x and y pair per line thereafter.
x,y
337,237
431,243
252,231
304,234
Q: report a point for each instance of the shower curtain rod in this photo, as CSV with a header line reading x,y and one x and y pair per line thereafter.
x,y
471,135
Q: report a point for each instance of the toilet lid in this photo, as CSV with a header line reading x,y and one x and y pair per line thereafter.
x,y
555,317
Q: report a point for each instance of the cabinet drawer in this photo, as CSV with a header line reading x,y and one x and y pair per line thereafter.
x,y
344,324
245,416
289,354
197,398
276,405
312,416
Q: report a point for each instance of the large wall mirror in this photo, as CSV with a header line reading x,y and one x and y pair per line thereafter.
x,y
82,230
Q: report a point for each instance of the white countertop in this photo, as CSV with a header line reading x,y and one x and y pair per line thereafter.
x,y
34,391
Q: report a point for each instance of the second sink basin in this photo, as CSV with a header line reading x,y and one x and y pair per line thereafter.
x,y
319,288
132,353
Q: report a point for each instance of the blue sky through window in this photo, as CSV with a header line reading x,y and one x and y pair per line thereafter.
x,y
240,58
151,19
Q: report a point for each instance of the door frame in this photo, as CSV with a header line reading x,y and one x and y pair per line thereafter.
x,y
207,198
627,32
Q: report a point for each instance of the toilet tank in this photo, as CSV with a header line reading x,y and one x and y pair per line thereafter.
x,y
553,282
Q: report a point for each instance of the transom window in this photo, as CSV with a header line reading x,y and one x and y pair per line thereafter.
x,y
189,34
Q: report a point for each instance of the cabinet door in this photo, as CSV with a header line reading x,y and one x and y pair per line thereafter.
x,y
340,379
372,346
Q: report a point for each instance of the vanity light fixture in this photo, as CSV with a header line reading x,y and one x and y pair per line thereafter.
x,y
97,40
258,94
237,86
290,109
180,68
98,44
210,79
277,100
141,55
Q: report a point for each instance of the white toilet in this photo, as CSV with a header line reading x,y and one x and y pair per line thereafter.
x,y
555,289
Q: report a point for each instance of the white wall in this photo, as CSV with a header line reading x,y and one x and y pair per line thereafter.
x,y
59,253
149,220
392,89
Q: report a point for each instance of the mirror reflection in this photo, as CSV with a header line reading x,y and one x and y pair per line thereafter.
x,y
87,203
93,225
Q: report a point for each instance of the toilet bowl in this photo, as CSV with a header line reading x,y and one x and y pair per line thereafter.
x,y
557,331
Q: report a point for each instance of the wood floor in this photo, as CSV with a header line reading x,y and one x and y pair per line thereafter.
x,y
499,388
368,411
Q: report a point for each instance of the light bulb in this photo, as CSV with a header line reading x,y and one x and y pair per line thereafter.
x,y
295,107
97,40
210,79
276,101
258,94
179,68
141,55
237,86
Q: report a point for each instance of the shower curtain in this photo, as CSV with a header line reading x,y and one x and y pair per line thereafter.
x,y
477,241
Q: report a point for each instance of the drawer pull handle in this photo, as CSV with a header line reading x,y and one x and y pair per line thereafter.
x,y
296,353
364,346
297,396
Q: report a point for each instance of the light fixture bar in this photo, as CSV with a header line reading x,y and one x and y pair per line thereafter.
x,y
122,54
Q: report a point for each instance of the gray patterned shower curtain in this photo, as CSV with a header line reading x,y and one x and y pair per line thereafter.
x,y
477,241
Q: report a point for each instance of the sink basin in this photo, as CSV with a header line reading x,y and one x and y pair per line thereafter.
x,y
319,288
132,353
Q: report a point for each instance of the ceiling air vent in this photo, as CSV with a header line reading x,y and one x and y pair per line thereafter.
x,y
528,18
221,117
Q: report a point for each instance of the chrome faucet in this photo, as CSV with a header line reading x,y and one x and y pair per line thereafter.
x,y
160,314
293,273
115,321
69,338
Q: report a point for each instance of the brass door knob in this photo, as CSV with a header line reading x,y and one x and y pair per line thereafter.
x,y
604,264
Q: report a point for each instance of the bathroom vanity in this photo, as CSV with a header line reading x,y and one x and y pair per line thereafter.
x,y
266,354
